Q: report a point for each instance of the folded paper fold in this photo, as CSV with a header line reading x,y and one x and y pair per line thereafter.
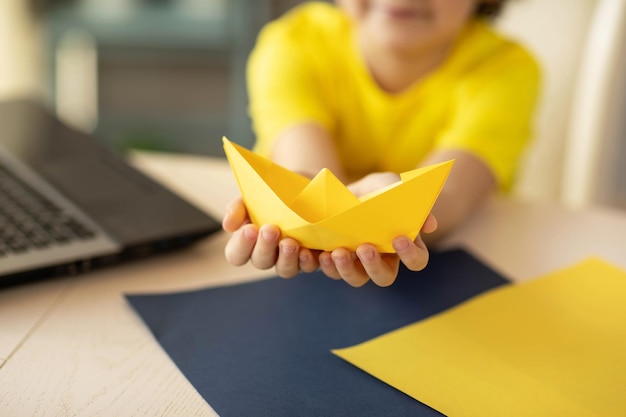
x,y
323,214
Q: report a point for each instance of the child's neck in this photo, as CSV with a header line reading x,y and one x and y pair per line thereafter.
x,y
395,72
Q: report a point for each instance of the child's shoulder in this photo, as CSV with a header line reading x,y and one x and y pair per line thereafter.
x,y
484,45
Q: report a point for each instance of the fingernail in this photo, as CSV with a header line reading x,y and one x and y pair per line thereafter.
x,y
366,255
269,235
401,243
288,249
340,259
303,257
249,233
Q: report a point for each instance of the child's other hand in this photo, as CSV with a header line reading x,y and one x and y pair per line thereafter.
x,y
356,268
373,182
263,246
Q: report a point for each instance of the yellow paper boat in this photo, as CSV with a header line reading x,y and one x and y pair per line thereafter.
x,y
323,214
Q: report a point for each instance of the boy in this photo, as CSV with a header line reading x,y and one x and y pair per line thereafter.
x,y
371,88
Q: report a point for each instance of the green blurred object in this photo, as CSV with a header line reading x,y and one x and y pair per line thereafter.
x,y
146,139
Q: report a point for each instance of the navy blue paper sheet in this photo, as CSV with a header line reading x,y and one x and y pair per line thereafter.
x,y
263,348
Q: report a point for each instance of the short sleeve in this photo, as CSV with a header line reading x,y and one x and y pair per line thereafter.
x,y
285,85
493,112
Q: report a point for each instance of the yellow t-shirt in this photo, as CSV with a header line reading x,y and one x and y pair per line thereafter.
x,y
306,68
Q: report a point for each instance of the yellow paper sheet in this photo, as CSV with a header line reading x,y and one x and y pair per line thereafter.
x,y
323,214
551,347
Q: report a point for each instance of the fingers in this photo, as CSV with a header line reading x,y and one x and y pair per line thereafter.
x,y
381,268
249,243
265,252
264,249
308,260
327,265
349,267
287,262
430,225
241,244
356,268
413,254
292,259
236,216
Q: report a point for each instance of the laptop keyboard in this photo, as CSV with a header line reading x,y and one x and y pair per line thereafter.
x,y
30,221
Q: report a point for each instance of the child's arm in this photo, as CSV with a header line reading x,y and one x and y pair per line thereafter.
x,y
307,148
469,184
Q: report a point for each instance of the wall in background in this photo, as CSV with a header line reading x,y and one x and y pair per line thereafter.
x,y
161,74
156,74
577,154
21,54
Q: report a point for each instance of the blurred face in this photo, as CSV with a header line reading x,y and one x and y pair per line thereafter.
x,y
408,25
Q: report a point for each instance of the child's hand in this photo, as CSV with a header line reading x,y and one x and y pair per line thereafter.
x,y
356,268
367,263
263,246
373,182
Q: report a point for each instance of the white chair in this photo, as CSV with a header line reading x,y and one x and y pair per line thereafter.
x,y
597,128
581,45
20,51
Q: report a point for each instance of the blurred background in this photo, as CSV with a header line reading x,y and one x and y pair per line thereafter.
x,y
169,75
149,74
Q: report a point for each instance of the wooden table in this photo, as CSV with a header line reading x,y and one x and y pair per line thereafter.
x,y
73,346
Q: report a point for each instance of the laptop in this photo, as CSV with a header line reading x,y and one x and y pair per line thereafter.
x,y
68,204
